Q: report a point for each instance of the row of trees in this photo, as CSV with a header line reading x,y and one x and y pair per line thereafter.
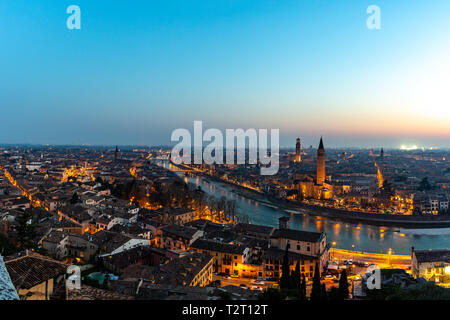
x,y
293,285
179,194
188,195
420,291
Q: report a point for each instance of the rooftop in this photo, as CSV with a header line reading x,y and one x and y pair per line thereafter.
x,y
181,231
298,235
28,269
91,293
254,228
432,255
211,245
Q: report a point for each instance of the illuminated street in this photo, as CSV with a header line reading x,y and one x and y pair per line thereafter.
x,y
382,260
226,281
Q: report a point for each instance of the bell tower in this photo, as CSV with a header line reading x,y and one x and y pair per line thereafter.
x,y
298,151
320,176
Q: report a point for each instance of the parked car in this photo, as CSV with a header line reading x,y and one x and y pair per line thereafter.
x,y
333,266
243,286
257,282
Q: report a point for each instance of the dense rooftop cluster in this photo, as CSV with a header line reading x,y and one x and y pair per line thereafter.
x,y
138,231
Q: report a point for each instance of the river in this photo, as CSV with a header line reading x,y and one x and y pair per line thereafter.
x,y
343,235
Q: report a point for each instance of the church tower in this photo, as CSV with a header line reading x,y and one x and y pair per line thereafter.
x,y
116,154
298,151
320,177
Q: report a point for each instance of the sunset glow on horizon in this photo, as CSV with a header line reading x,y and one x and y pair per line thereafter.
x,y
136,71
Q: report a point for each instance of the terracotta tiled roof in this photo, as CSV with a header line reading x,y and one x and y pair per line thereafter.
x,y
298,235
108,241
91,293
181,231
247,227
432,255
28,269
179,271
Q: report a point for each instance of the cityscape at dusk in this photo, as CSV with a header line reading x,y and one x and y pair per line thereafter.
x,y
258,155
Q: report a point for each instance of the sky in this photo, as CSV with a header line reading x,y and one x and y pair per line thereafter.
x,y
137,70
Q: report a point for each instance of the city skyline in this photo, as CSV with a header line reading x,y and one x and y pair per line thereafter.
x,y
255,155
283,147
135,72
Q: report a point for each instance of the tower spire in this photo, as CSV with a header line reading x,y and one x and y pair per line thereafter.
x,y
321,144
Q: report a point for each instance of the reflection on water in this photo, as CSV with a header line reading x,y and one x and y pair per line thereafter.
x,y
343,235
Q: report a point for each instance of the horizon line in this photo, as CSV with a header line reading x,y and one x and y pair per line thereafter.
x,y
417,148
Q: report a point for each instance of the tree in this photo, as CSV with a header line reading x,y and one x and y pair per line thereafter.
x,y
343,285
296,277
333,294
75,198
99,180
426,291
316,292
387,188
272,294
425,185
26,231
6,245
225,295
323,289
285,273
303,289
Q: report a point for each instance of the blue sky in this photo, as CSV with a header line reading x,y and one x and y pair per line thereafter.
x,y
139,69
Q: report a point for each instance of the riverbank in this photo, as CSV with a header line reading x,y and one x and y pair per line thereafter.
x,y
377,219
262,209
